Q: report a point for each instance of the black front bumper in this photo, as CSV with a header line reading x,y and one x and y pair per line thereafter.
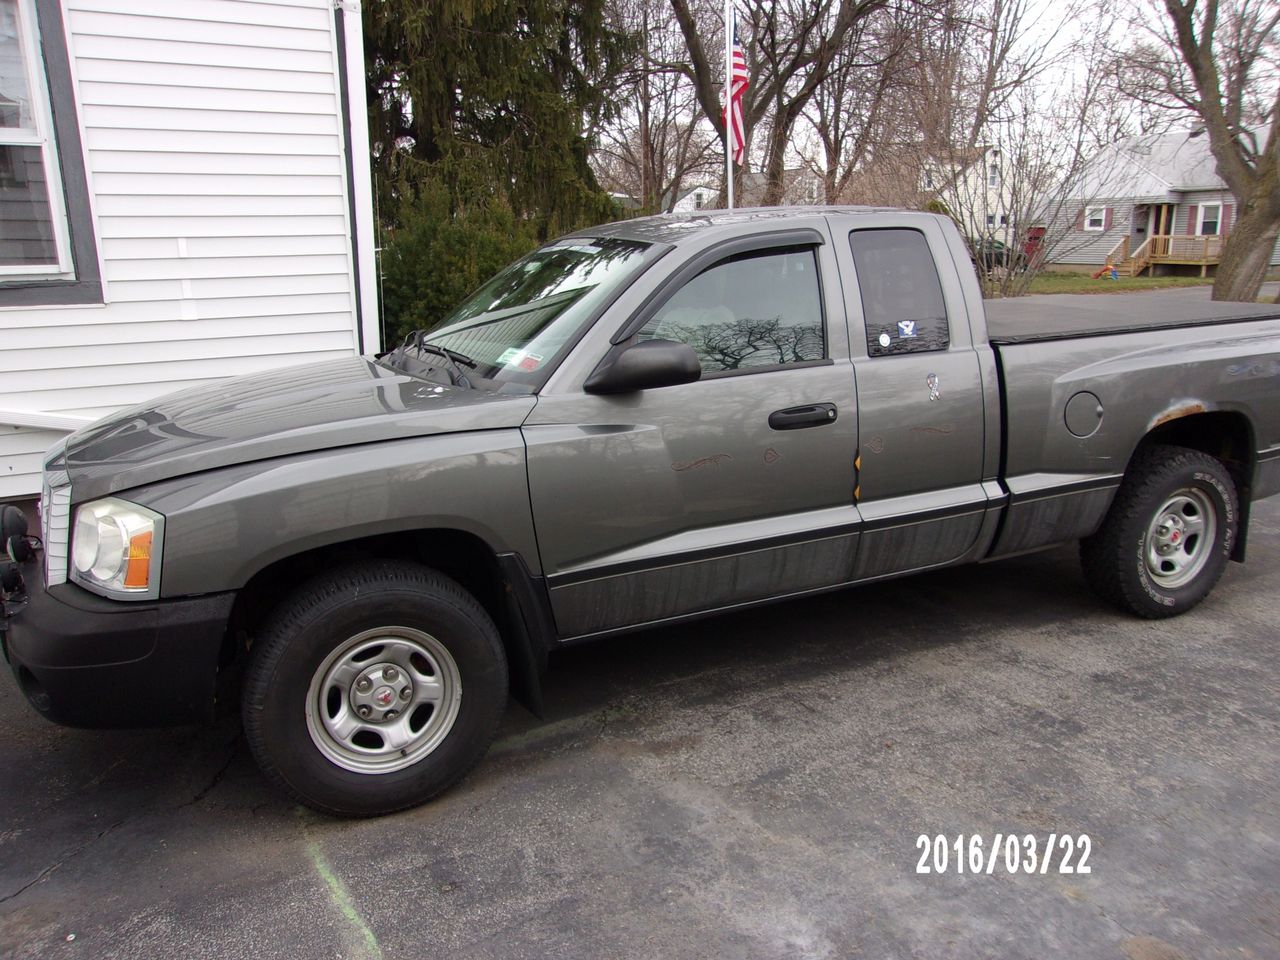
x,y
86,661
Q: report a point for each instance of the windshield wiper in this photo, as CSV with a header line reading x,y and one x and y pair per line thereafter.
x,y
455,359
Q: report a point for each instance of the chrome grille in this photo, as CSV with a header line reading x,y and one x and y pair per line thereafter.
x,y
55,519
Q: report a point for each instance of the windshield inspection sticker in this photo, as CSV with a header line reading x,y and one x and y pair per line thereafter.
x,y
906,328
885,340
515,357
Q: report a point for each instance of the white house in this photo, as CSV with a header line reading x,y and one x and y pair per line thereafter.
x,y
184,196
800,186
977,187
694,198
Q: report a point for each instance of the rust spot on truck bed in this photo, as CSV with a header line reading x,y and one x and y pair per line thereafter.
x,y
1184,410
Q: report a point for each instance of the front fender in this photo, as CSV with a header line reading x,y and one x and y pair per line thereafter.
x,y
223,526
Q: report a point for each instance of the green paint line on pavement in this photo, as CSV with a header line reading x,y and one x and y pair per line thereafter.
x,y
342,900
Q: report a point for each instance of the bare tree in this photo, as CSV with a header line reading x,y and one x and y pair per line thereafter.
x,y
657,141
854,113
1221,62
1007,120
791,47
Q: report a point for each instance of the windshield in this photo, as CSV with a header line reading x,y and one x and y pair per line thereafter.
x,y
516,325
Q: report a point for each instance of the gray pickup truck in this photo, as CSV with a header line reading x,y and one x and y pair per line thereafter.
x,y
637,424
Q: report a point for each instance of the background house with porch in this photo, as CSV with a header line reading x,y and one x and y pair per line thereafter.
x,y
1150,205
184,196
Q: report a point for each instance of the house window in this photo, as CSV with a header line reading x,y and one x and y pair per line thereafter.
x,y
48,252
1210,219
34,235
1004,219
991,219
928,179
1095,218
697,200
993,175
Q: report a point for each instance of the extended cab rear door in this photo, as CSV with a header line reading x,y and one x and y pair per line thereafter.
x,y
923,447
676,500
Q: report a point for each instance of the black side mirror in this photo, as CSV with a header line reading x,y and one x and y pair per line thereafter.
x,y
644,365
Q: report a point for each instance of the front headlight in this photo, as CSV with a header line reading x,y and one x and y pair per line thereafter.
x,y
115,549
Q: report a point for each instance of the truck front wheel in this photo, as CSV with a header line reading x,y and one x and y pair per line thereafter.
x,y
1168,536
374,687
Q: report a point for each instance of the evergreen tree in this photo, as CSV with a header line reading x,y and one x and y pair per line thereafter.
x,y
494,99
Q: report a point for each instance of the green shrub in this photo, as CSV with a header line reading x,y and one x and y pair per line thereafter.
x,y
436,257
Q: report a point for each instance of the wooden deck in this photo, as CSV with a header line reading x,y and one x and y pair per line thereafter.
x,y
1203,252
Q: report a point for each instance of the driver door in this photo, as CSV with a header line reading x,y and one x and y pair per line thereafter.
x,y
667,502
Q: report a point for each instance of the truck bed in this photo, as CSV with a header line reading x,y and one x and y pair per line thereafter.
x,y
1064,316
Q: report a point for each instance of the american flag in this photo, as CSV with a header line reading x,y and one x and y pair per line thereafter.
x,y
739,80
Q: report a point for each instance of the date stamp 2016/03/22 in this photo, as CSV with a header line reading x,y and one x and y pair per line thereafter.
x,y
1009,853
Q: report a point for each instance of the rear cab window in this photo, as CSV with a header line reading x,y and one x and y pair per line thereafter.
x,y
902,301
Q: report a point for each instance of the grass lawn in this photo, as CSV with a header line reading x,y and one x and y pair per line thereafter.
x,y
1083,283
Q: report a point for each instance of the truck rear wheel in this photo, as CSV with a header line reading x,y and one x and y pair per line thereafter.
x,y
374,687
1168,536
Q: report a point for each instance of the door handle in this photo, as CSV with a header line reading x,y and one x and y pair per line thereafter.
x,y
796,418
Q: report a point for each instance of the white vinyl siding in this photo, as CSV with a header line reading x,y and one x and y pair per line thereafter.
x,y
213,143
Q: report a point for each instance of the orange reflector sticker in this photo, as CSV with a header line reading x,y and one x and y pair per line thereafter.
x,y
137,572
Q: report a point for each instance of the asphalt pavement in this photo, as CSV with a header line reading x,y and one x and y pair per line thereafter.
x,y
751,786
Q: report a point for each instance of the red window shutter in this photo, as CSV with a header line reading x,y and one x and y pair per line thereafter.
x,y
1080,220
1192,211
1106,219
1225,227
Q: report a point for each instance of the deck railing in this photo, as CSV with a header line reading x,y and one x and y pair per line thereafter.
x,y
1185,249
1141,257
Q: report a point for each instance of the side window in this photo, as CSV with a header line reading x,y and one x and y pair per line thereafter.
x,y
753,310
901,293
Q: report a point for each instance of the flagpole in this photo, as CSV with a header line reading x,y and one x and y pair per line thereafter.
x,y
728,99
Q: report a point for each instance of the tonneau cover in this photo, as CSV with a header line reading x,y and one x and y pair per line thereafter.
x,y
1061,316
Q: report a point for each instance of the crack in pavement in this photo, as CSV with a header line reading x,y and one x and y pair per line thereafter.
x,y
233,749
57,863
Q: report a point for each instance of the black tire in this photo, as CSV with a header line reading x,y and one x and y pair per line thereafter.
x,y
285,723
1122,561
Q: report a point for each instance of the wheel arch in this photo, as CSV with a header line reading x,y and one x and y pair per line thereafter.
x,y
1226,435
500,582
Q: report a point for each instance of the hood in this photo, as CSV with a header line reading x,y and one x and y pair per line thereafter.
x,y
286,411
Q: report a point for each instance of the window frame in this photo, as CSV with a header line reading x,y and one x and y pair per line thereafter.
x,y
1217,220
41,138
1102,219
81,284
993,175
